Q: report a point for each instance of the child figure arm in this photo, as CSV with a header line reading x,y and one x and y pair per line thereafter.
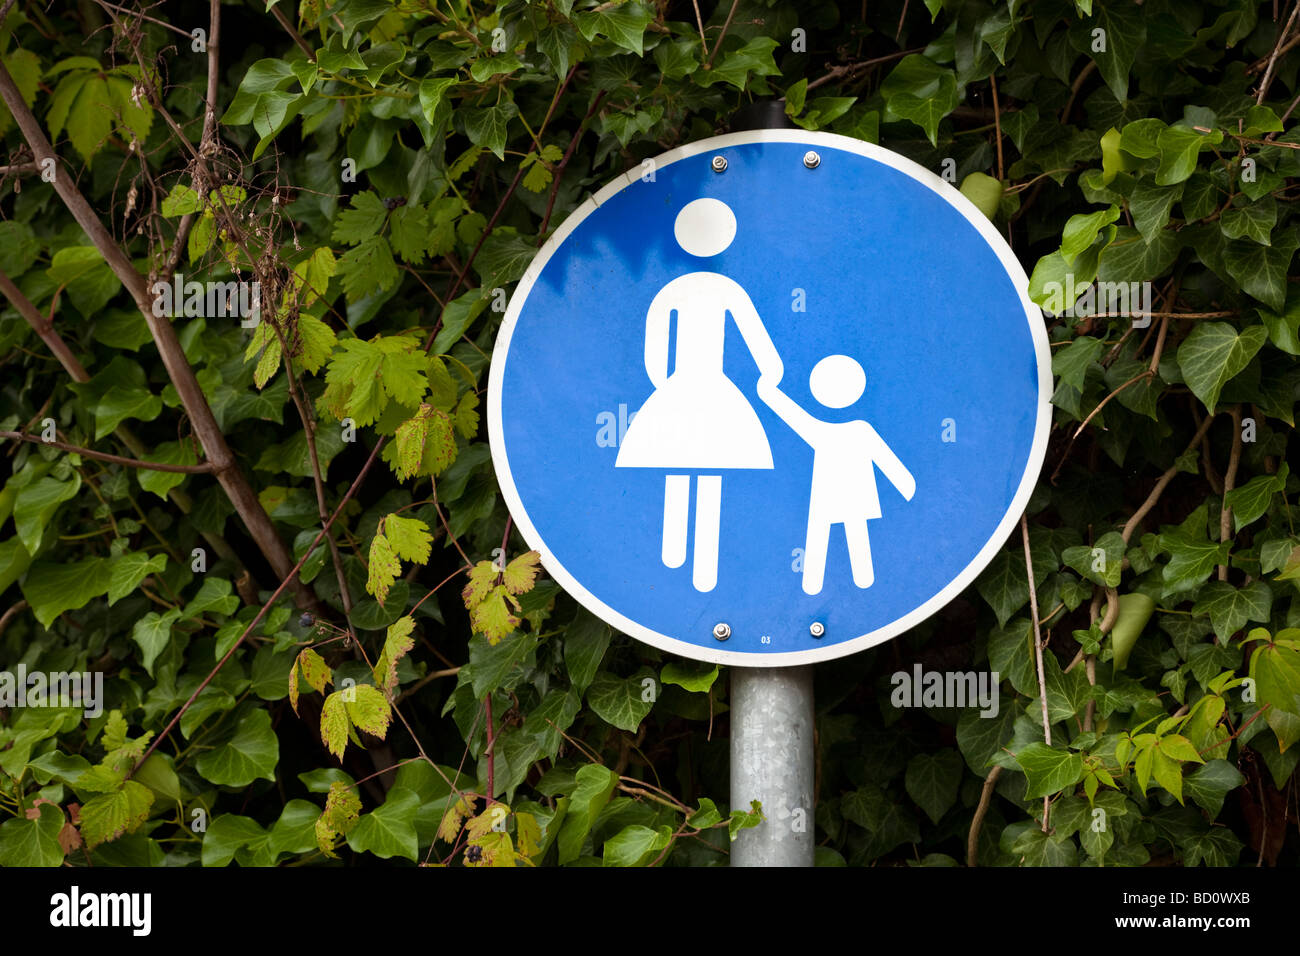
x,y
891,467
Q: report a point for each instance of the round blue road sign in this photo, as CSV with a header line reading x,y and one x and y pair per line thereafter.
x,y
771,398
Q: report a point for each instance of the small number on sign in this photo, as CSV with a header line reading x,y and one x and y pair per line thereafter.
x,y
765,639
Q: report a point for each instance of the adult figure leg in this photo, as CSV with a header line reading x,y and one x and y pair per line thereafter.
x,y
708,520
677,515
815,544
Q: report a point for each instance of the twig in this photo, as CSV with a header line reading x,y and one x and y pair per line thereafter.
x,y
848,69
708,64
1076,86
1038,644
297,37
977,821
1272,57
199,469
997,121
1230,476
564,162
699,22
1131,525
14,610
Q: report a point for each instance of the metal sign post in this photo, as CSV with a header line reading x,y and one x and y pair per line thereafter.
x,y
773,744
766,400
772,762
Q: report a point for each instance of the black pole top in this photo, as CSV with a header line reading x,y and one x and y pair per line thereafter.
x,y
761,114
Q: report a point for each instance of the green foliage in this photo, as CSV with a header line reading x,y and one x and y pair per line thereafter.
x,y
387,194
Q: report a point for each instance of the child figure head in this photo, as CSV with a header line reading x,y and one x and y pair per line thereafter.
x,y
837,381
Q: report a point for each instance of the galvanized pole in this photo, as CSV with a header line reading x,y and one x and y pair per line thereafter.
x,y
772,762
772,711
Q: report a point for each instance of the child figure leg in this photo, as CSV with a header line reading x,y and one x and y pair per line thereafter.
x,y
855,532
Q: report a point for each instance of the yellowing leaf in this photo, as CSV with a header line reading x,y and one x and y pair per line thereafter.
x,y
493,816
521,573
482,579
456,812
492,617
409,538
369,710
334,724
314,670
384,568
396,644
342,807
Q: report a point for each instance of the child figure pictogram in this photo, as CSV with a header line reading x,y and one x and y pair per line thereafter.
x,y
845,458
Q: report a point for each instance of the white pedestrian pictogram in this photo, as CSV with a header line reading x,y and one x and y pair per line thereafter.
x,y
697,422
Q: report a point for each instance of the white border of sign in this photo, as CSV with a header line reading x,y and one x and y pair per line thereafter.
x,y
720,655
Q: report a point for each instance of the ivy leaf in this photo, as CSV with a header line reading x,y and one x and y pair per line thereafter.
x,y
1071,364
1150,205
456,317
1275,669
51,589
1102,568
1230,608
1048,770
619,700
227,834
920,90
585,643
153,633
250,754
624,25
932,781
595,785
1217,847
1178,148
1213,354
389,829
26,841
1081,231
636,845
1262,270
1250,502
1005,585
434,96
694,676
34,506
487,126
1210,784
1254,221
129,570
